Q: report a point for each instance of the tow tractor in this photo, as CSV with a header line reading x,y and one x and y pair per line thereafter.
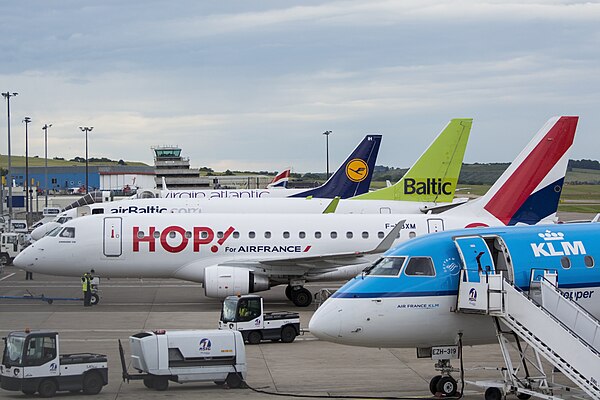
x,y
186,356
11,244
245,314
31,363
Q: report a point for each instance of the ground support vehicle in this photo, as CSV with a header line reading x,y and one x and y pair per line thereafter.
x,y
31,363
11,244
245,314
163,356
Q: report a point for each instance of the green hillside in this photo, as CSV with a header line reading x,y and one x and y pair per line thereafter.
x,y
19,161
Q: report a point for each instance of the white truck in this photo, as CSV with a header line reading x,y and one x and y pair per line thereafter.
x,y
11,244
245,314
186,356
31,363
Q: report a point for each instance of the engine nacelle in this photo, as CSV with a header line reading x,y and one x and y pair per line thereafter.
x,y
223,281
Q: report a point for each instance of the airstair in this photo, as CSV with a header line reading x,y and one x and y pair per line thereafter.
x,y
541,323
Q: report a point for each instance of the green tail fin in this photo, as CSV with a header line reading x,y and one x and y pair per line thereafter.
x,y
434,175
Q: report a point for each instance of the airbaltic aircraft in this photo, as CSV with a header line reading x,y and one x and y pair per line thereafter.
x,y
408,298
171,245
440,164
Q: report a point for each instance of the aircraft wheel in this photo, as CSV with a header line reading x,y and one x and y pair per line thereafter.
x,y
288,292
433,384
28,392
523,396
493,393
302,297
160,383
254,337
288,334
94,299
447,386
219,383
149,383
47,388
92,383
234,380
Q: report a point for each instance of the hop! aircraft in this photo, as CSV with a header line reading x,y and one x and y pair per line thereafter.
x,y
245,253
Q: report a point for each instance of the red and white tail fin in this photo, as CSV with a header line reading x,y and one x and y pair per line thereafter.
x,y
280,180
529,190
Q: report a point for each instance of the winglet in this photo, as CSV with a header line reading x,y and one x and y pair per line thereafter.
x,y
433,177
332,206
387,241
164,183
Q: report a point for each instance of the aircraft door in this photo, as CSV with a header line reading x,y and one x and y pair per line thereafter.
x,y
475,256
435,225
113,244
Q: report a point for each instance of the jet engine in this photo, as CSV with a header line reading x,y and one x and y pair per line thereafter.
x,y
223,281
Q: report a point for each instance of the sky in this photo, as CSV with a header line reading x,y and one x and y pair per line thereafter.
x,y
252,85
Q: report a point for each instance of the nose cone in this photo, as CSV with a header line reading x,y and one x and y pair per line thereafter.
x,y
326,321
26,259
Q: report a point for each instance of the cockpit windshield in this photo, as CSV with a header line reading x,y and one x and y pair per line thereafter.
x,y
386,266
13,353
68,232
54,231
229,309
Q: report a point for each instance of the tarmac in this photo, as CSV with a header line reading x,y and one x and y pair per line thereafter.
x,y
306,367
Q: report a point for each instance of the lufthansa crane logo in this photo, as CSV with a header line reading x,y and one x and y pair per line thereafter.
x,y
357,170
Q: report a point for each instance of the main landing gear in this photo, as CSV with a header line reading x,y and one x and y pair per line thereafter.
x,y
299,295
443,384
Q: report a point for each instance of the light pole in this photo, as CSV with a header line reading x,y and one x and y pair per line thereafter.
x,y
86,129
27,120
327,133
45,129
7,95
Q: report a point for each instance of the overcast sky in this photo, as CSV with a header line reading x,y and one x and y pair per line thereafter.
x,y
252,85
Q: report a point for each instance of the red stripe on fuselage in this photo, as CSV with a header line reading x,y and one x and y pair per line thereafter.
x,y
519,186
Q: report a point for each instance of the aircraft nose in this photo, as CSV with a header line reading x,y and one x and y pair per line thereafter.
x,y
26,259
326,322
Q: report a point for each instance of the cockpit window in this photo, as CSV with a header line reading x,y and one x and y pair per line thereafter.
x,y
54,231
420,266
68,232
62,220
387,266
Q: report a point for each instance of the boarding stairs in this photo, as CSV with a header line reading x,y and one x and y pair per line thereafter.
x,y
550,325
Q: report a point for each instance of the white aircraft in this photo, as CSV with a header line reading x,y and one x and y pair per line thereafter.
x,y
429,185
265,250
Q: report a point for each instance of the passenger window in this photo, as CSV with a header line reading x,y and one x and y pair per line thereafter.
x,y
267,235
387,266
420,266
219,234
68,233
565,262
317,235
98,211
156,234
589,261
365,235
302,235
236,235
412,234
333,235
251,235
172,235
203,234
380,235
140,234
286,235
349,235
188,234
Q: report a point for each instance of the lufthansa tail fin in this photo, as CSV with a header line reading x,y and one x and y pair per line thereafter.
x,y
529,190
280,180
433,177
354,175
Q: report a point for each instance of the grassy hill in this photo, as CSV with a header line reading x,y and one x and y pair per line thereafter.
x,y
19,161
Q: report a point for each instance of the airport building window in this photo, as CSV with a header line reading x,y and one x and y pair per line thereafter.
x,y
251,235
387,266
236,235
420,266
302,235
565,262
380,235
365,235
589,261
156,234
68,233
317,235
349,235
286,235
267,235
333,235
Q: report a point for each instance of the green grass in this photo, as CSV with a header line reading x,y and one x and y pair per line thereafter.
x,y
19,161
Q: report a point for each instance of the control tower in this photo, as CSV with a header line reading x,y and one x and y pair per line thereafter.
x,y
169,163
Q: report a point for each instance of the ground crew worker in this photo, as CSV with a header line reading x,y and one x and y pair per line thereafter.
x,y
86,286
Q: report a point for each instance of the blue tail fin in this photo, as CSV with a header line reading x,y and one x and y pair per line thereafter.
x,y
354,175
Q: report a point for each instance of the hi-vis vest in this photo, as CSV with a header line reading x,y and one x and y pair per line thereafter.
x,y
85,280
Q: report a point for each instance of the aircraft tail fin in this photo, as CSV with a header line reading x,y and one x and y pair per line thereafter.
x,y
433,177
354,175
529,190
280,180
